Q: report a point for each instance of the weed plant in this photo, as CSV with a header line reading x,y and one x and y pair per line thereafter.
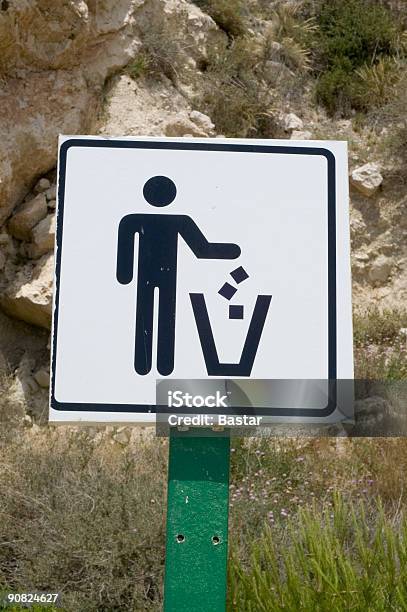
x,y
234,94
337,559
227,14
381,344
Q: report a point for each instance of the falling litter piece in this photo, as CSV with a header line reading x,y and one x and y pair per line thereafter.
x,y
239,275
227,291
235,311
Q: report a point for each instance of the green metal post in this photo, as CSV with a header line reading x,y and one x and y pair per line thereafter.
x,y
197,523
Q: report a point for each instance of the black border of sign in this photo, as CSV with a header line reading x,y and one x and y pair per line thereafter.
x,y
210,146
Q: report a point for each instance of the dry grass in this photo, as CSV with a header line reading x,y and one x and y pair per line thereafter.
x,y
85,517
234,94
380,344
164,49
82,518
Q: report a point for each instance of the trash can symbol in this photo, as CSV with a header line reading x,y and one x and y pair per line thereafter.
x,y
251,344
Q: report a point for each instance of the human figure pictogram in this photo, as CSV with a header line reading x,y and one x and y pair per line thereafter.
x,y
157,268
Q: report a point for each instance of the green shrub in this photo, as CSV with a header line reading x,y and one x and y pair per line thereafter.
x,y
337,559
376,326
294,55
371,86
163,49
377,83
227,14
353,37
293,35
394,114
287,22
336,90
234,94
380,345
140,66
354,32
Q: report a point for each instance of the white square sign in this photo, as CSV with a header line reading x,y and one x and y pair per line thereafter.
x,y
197,260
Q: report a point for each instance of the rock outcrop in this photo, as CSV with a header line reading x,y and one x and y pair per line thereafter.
x,y
54,59
54,66
27,215
26,255
380,269
151,107
28,293
291,122
367,179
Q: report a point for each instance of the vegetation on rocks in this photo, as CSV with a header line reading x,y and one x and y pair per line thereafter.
x,y
395,114
358,48
234,95
227,14
381,344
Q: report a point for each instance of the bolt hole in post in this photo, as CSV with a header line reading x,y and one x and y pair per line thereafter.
x,y
180,538
215,540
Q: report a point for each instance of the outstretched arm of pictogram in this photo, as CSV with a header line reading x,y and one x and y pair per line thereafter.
x,y
200,245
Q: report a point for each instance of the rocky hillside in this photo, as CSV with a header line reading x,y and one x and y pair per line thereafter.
x,y
203,69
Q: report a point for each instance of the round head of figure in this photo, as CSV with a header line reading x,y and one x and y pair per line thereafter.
x,y
159,191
